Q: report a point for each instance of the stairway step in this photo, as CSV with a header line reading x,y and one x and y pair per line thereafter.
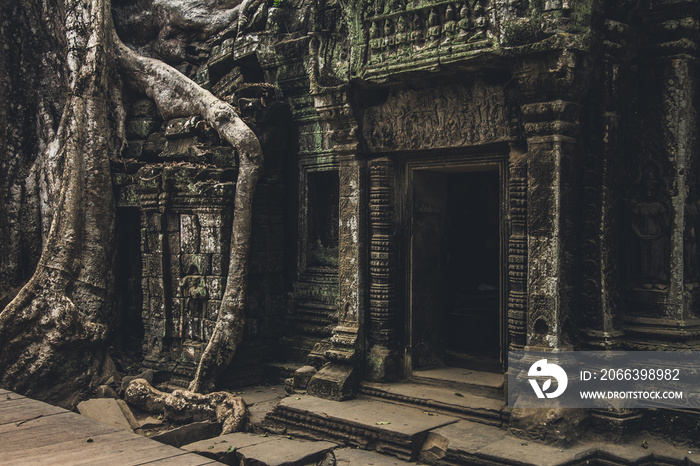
x,y
318,306
463,380
445,400
362,422
247,448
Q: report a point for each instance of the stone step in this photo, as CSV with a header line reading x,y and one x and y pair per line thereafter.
x,y
355,457
443,400
279,371
314,330
480,383
261,450
467,442
363,422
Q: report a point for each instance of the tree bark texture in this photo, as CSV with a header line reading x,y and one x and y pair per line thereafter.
x,y
53,332
185,406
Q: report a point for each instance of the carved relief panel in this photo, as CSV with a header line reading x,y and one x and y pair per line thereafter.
x,y
452,115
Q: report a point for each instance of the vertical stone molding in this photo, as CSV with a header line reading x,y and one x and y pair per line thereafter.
x,y
382,357
517,251
339,379
551,86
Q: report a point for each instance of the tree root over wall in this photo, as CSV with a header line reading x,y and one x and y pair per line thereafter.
x,y
53,332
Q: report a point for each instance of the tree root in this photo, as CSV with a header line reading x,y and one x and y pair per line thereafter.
x,y
184,406
177,95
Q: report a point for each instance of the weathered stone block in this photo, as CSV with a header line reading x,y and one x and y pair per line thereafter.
x,y
208,329
195,264
174,242
172,222
210,233
302,376
335,382
144,108
189,234
152,265
108,411
140,128
155,288
154,144
212,312
134,149
178,149
180,127
218,264
201,77
215,286
154,222
105,391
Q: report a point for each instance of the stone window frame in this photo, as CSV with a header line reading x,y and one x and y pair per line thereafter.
x,y
308,166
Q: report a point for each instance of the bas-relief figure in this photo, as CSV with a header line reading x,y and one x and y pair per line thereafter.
x,y
649,220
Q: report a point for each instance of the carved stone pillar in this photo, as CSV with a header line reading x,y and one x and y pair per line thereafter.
x,y
382,359
339,379
662,179
517,251
551,85
599,320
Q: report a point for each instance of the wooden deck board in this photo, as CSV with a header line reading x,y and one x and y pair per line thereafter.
x,y
191,459
21,409
33,432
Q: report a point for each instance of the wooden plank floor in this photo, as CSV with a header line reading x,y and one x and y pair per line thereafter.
x,y
36,433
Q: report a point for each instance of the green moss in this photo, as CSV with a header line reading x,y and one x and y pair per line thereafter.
x,y
524,32
581,16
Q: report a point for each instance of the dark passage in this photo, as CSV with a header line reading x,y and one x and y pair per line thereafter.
x,y
456,270
471,323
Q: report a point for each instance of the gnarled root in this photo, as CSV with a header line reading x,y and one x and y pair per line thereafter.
x,y
185,406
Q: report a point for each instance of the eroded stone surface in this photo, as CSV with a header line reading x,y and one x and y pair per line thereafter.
x,y
107,411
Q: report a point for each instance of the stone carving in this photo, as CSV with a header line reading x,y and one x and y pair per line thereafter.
x,y
517,256
448,116
382,256
690,248
649,222
431,25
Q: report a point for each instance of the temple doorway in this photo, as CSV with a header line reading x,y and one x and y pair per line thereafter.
x,y
456,268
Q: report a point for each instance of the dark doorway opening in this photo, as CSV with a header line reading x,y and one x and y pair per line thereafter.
x,y
456,269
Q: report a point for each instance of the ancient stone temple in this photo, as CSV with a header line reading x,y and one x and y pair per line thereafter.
x,y
444,181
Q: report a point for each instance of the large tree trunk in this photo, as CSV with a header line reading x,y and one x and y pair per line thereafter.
x,y
53,332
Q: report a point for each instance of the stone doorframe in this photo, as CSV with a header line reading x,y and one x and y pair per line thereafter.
x,y
388,355
493,157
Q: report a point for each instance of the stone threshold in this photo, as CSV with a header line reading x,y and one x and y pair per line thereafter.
x,y
364,423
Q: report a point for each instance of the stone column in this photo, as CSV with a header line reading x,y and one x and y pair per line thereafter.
x,y
382,359
517,250
551,85
662,270
599,321
339,379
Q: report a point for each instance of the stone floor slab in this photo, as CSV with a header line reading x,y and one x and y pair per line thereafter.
x,y
377,415
223,443
106,411
463,436
281,451
459,375
355,457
